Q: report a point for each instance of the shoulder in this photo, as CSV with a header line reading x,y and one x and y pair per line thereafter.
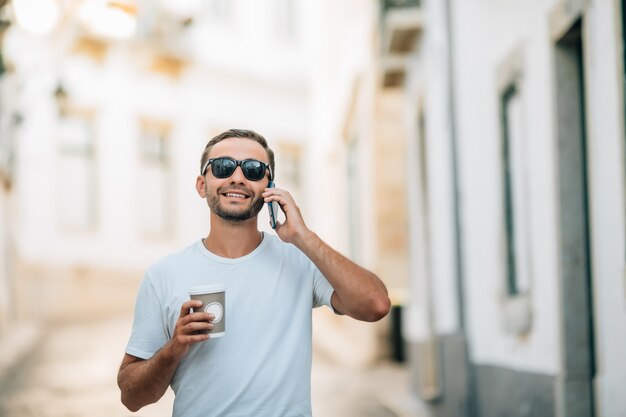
x,y
286,251
174,261
276,245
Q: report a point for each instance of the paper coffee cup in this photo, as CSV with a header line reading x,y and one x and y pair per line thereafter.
x,y
213,299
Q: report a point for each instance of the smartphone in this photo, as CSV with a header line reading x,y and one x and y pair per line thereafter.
x,y
272,206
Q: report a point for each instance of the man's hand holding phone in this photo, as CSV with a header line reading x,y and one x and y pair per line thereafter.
x,y
272,206
293,227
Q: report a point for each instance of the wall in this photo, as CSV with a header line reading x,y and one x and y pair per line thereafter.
x,y
489,38
607,187
499,29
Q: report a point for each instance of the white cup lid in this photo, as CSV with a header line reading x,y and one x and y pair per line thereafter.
x,y
206,289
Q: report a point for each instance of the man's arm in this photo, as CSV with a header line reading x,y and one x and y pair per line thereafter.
x,y
359,293
144,382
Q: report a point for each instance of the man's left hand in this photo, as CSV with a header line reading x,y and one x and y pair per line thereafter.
x,y
293,228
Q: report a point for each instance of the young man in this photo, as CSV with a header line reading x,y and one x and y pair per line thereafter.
x,y
262,365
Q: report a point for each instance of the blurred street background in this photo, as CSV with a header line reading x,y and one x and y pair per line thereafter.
x,y
471,153
70,370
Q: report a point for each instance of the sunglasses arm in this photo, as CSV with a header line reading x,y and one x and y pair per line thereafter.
x,y
204,168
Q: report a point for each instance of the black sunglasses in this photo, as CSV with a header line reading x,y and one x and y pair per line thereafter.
x,y
224,167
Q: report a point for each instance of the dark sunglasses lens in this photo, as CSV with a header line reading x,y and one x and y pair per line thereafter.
x,y
223,168
253,170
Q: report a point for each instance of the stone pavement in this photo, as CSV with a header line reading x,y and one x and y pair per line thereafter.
x,y
71,372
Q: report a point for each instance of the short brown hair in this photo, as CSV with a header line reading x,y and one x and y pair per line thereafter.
x,y
239,133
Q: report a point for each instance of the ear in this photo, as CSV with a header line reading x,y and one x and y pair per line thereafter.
x,y
201,186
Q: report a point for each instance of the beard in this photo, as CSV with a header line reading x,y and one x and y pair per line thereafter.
x,y
237,214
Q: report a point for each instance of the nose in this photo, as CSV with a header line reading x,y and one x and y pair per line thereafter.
x,y
238,175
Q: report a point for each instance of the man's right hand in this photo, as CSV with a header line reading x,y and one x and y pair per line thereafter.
x,y
187,327
144,381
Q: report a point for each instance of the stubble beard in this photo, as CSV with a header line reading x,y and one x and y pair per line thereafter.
x,y
237,215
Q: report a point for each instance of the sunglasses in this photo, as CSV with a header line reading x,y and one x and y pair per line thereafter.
x,y
224,167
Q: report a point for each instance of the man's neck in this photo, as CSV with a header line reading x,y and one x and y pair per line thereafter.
x,y
233,240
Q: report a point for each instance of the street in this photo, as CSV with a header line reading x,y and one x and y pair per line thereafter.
x,y
72,372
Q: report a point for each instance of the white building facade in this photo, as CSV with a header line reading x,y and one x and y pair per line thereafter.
x,y
518,233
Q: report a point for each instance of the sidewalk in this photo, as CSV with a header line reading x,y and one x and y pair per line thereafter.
x,y
379,391
72,372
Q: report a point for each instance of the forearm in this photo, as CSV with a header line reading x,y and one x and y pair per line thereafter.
x,y
144,382
361,293
358,292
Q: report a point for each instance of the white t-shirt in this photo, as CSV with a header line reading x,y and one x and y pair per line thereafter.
x,y
262,364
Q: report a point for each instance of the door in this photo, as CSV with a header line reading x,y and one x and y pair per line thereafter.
x,y
575,385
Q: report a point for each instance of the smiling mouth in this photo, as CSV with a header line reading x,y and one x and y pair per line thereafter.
x,y
235,195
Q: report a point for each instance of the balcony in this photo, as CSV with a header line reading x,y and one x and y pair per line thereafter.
x,y
401,25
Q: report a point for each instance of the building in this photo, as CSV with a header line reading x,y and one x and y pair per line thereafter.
x,y
516,156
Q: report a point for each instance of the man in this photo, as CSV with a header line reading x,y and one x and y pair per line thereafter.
x,y
262,365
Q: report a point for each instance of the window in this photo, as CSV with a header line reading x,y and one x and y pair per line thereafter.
x,y
515,195
514,177
154,216
76,186
517,256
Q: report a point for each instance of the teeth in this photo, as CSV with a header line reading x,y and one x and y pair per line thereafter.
x,y
235,195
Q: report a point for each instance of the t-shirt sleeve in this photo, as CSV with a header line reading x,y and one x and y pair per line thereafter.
x,y
149,332
322,290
